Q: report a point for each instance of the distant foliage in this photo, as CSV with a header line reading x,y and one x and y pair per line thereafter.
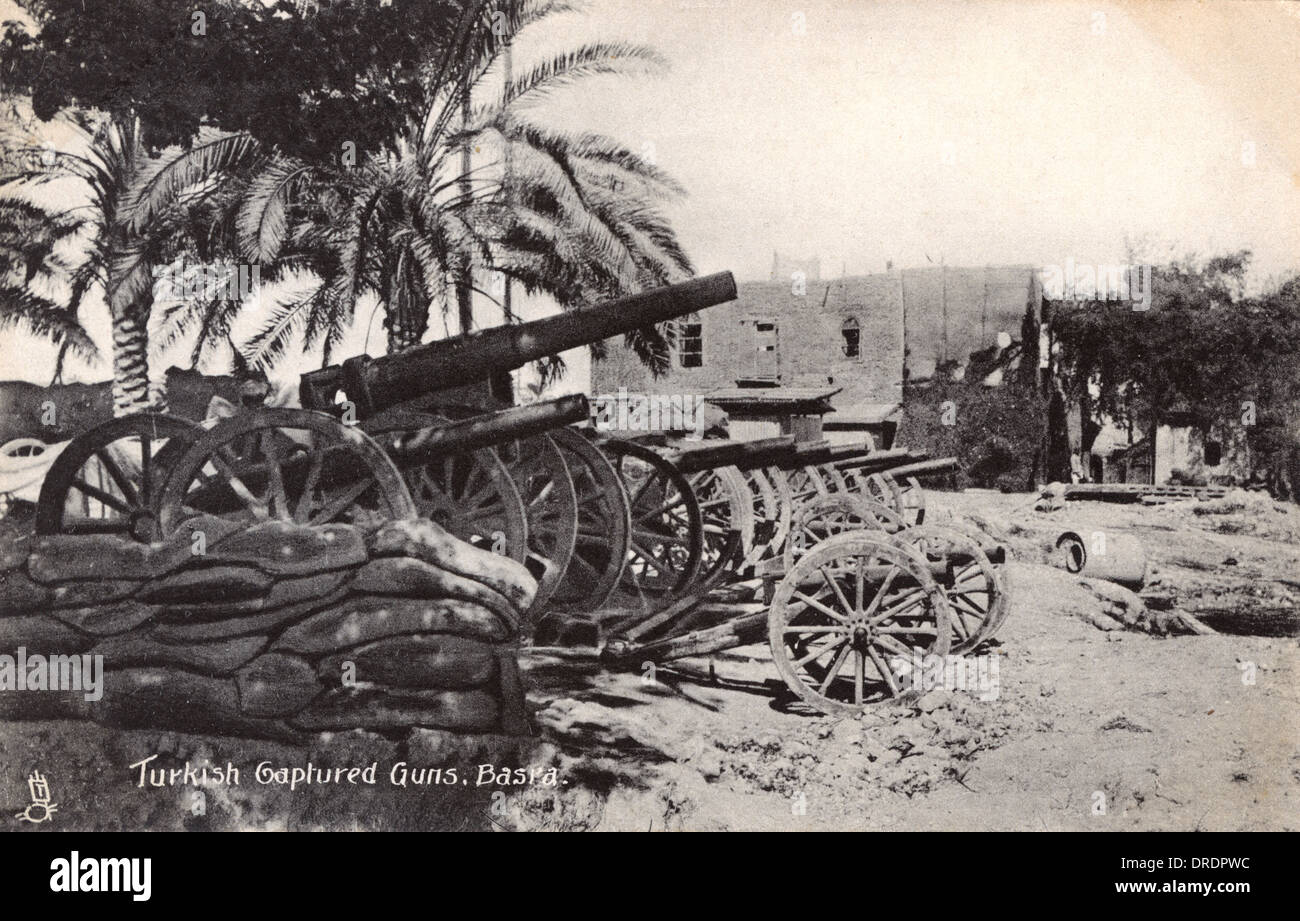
x,y
299,76
1203,348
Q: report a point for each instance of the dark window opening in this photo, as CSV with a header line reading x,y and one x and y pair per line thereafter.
x,y
1213,454
690,344
852,345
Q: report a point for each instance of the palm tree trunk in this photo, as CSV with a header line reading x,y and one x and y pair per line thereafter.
x,y
405,321
465,277
130,363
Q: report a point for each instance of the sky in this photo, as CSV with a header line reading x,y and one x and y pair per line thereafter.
x,y
970,133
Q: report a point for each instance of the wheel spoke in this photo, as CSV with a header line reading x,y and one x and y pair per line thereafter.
x,y
100,495
120,478
302,511
341,501
884,670
835,669
817,605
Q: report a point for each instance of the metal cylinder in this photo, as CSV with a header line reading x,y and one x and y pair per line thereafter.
x,y
422,445
1100,554
744,454
923,468
373,384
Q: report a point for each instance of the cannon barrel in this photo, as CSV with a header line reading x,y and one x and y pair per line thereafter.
x,y
743,454
373,384
878,460
417,447
923,468
824,452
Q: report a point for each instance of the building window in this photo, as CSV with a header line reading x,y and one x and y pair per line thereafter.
x,y
767,355
1213,453
690,342
852,336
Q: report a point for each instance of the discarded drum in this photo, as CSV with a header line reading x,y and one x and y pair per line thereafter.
x,y
1110,555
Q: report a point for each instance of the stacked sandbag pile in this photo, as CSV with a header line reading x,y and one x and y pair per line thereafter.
x,y
273,630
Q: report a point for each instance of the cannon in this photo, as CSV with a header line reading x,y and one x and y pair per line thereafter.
x,y
669,548
372,441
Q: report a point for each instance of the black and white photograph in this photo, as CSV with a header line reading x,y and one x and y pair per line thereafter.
x,y
651,415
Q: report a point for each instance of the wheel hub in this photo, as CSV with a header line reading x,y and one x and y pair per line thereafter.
x,y
144,526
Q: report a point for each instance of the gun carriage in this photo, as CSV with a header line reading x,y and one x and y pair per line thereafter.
x,y
672,548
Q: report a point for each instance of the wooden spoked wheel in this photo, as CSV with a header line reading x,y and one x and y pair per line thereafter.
x,y
911,499
976,591
805,483
604,529
827,516
833,478
551,502
109,478
849,618
473,497
727,515
785,508
667,528
882,488
288,465
771,515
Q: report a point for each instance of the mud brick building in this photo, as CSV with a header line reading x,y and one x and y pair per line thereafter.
x,y
855,338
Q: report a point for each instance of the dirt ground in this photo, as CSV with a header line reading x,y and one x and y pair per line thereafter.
x,y
1096,724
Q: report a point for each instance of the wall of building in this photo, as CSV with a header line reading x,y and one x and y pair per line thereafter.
x,y
1183,448
808,337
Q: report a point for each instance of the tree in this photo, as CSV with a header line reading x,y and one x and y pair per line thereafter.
x,y
29,262
1203,348
129,220
575,217
287,76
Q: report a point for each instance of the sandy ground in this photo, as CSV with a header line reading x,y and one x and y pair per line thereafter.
x,y
1090,728
1097,729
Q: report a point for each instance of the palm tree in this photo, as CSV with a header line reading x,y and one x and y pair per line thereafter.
x,y
30,264
575,217
130,216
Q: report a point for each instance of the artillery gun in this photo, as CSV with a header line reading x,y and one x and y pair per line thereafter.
x,y
671,548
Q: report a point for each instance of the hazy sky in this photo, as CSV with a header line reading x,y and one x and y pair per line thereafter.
x,y
971,132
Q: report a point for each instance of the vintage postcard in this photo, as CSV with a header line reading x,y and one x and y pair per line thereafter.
x,y
625,415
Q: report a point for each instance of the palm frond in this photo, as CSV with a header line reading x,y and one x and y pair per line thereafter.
x,y
161,181
261,223
21,309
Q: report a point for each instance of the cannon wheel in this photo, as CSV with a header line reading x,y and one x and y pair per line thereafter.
x,y
838,513
911,499
604,530
287,465
785,507
726,510
472,494
884,489
857,601
667,528
543,478
117,469
474,497
975,588
833,479
771,514
805,483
